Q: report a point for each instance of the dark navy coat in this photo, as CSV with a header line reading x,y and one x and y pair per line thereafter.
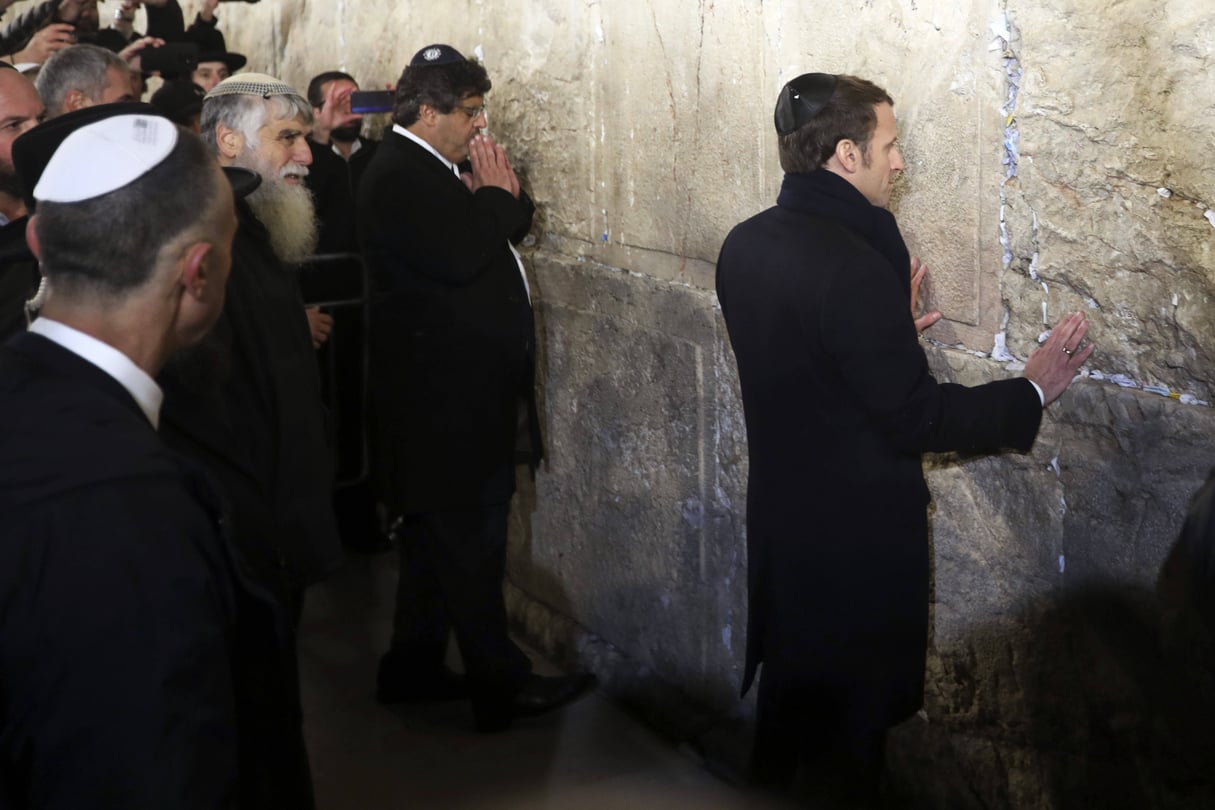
x,y
839,405
137,667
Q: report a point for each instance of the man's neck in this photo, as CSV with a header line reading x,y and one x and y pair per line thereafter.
x,y
344,147
146,347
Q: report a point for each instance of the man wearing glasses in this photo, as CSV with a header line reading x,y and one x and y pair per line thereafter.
x,y
452,360
839,405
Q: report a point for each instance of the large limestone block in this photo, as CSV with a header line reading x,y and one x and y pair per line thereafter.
x,y
1116,124
633,530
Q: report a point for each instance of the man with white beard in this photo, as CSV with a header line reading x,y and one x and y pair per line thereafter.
x,y
261,361
247,401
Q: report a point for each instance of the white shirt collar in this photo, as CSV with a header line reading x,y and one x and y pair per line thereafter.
x,y
143,388
400,130
357,144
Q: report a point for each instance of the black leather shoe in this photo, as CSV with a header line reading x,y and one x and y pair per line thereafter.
x,y
542,693
436,686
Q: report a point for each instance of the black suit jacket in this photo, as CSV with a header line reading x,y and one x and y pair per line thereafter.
x,y
334,183
453,346
139,668
839,404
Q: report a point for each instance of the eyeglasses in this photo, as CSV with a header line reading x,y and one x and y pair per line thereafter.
x,y
471,112
802,99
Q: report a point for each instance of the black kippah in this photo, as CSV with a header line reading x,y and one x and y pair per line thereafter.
x,y
433,55
801,99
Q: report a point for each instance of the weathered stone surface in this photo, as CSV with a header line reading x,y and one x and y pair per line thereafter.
x,y
633,529
1059,158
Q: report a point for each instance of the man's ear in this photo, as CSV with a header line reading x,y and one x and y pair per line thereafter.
x,y
31,238
75,100
194,274
848,154
427,114
230,142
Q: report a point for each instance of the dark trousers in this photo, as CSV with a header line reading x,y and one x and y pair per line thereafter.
x,y
808,748
452,565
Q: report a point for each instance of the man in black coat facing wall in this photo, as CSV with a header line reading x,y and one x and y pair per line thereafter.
x,y
839,405
453,356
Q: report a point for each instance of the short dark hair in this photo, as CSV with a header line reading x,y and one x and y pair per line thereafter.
x,y
441,86
316,87
849,115
111,244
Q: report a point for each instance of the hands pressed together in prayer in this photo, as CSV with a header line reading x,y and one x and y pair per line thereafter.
x,y
1053,365
490,166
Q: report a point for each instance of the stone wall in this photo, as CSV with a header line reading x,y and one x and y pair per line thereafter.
x,y
1059,158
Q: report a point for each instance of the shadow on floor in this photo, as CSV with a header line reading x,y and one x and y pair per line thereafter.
x,y
369,757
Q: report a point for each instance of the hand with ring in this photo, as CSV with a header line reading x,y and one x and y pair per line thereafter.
x,y
1053,365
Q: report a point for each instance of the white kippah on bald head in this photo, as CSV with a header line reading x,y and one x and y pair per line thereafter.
x,y
105,156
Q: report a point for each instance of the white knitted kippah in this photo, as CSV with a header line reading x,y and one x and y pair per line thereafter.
x,y
252,84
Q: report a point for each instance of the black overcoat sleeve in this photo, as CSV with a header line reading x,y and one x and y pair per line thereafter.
x,y
868,335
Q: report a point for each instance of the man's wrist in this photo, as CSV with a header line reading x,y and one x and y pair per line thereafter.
x,y
1041,394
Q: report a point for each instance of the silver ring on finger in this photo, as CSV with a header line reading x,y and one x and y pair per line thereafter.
x,y
1067,351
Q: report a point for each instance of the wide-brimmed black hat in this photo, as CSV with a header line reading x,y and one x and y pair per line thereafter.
x,y
35,148
212,48
179,100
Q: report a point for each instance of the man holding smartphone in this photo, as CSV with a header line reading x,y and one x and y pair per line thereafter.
x,y
340,155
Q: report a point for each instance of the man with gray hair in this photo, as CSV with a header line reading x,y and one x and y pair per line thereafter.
x,y
246,402
263,435
82,76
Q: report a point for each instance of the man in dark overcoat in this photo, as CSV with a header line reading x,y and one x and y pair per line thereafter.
x,y
340,156
453,357
246,401
839,405
137,662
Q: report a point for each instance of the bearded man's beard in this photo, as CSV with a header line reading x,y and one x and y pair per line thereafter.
x,y
286,209
346,134
9,182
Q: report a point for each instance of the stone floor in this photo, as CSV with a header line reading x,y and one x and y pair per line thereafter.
x,y
367,757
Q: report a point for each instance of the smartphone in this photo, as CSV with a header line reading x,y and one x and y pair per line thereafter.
x,y
172,58
371,101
